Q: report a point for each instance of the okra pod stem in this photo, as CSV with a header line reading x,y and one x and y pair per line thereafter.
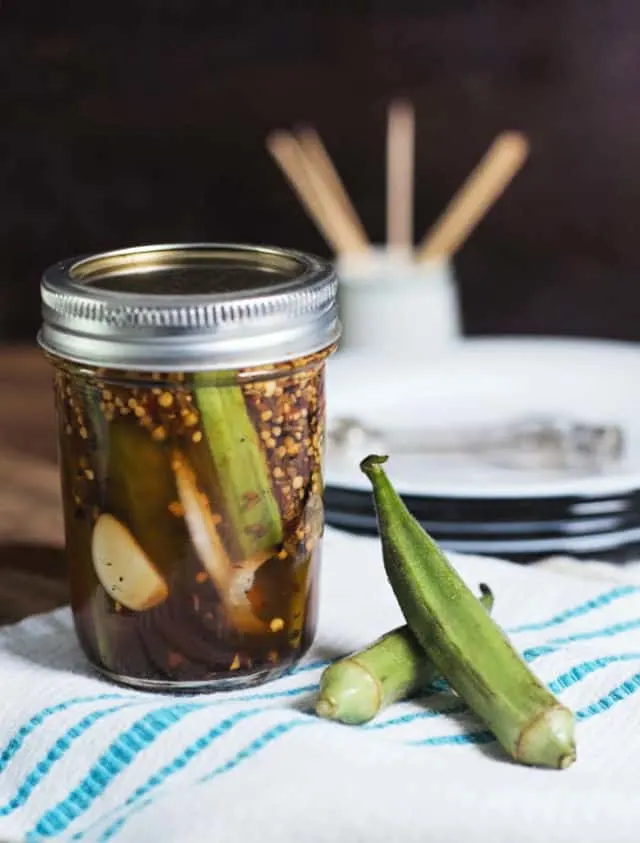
x,y
355,689
463,641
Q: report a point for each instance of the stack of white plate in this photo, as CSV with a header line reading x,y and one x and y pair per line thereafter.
x,y
474,504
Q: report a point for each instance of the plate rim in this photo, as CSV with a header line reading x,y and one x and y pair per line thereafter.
x,y
586,489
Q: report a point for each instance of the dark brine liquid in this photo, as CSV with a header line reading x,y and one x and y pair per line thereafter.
x,y
193,517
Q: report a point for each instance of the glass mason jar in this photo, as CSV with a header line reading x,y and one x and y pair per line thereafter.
x,y
190,406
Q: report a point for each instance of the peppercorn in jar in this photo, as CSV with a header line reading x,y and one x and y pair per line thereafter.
x,y
190,405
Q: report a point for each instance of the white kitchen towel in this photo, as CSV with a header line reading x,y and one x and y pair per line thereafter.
x,y
82,759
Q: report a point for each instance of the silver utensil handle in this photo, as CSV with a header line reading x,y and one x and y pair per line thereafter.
x,y
530,442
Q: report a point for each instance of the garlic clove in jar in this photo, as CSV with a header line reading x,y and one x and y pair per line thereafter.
x,y
124,569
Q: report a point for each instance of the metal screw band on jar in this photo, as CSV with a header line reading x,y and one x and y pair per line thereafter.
x,y
189,307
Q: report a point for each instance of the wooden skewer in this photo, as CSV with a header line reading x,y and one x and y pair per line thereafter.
x,y
481,189
400,165
286,152
331,205
319,159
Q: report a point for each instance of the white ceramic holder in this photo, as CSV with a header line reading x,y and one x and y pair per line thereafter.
x,y
393,306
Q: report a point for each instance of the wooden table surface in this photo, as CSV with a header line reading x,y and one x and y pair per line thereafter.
x,y
32,568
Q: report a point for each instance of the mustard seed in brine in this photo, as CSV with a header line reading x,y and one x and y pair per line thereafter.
x,y
158,434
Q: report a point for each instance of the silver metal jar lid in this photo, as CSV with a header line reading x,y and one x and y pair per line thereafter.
x,y
188,307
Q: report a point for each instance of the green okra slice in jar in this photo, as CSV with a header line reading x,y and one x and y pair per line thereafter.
x,y
240,465
140,491
85,588
83,469
395,667
464,642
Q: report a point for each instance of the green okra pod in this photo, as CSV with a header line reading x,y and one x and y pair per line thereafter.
x,y
464,642
140,486
395,667
240,466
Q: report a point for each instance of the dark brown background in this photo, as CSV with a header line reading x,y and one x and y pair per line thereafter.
x,y
135,121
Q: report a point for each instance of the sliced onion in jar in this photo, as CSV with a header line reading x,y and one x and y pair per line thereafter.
x,y
231,580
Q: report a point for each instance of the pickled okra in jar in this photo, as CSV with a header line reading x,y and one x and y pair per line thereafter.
x,y
193,509
189,387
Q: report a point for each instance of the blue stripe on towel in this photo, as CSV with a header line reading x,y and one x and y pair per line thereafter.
x,y
178,763
118,755
64,743
618,694
267,695
55,753
111,764
267,737
463,739
40,717
314,665
598,602
604,632
581,671
556,644
272,734
427,714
